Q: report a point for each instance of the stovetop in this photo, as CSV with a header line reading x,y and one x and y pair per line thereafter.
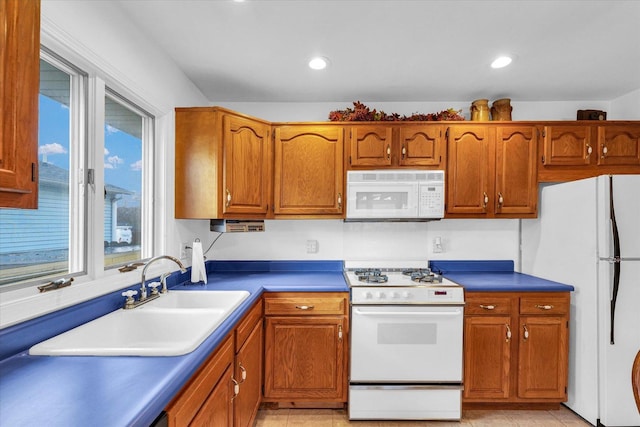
x,y
392,284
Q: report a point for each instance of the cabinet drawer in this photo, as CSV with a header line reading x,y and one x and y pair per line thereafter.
x,y
491,305
247,324
545,304
302,303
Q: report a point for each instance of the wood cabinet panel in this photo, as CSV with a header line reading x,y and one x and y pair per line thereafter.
x,y
370,145
248,372
304,358
487,362
19,74
543,357
309,175
420,145
619,145
567,145
194,402
545,304
247,166
305,304
516,175
468,169
487,303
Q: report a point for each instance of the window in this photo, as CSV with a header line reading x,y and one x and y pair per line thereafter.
x,y
78,191
126,130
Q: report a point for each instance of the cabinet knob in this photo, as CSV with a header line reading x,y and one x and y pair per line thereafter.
x,y
488,307
604,151
589,151
508,335
305,307
243,373
526,332
485,200
339,200
340,332
544,307
404,151
500,200
236,389
388,152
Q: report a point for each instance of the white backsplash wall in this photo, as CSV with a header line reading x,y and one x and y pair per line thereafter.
x,y
338,240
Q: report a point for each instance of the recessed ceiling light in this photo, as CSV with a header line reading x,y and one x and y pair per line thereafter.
x,y
501,62
318,63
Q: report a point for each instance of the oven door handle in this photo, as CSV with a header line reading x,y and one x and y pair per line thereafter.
x,y
408,313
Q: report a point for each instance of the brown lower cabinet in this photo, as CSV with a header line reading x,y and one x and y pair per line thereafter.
x,y
226,391
516,347
306,349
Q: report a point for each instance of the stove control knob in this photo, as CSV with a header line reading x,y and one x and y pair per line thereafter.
x,y
368,295
394,295
406,294
380,295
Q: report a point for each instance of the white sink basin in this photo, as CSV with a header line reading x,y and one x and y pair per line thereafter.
x,y
225,300
149,330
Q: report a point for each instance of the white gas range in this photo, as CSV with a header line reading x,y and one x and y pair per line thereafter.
x,y
406,342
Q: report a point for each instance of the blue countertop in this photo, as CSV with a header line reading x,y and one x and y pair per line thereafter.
x,y
132,391
494,276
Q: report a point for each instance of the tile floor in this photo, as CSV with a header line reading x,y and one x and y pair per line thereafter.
x,y
475,418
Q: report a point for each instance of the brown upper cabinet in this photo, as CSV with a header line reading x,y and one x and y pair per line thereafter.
x,y
491,171
380,145
309,173
223,164
577,150
20,74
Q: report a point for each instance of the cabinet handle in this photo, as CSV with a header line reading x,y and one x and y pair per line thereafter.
x,y
339,200
388,152
404,151
526,332
485,200
243,373
508,336
304,307
340,332
589,151
236,389
488,307
228,198
500,200
604,151
544,307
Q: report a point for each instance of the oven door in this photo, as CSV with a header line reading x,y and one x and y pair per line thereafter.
x,y
406,344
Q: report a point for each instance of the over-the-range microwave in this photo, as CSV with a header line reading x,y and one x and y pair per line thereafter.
x,y
395,195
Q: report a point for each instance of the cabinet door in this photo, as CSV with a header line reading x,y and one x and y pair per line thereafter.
x,y
516,176
420,145
370,145
543,357
468,169
487,357
619,145
247,166
19,73
309,176
217,410
304,359
568,145
248,372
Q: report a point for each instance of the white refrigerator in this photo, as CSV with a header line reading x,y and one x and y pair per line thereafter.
x,y
573,242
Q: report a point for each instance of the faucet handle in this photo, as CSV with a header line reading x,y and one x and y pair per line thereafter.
x,y
163,281
129,295
154,287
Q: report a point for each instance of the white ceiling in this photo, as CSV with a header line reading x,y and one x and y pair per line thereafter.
x,y
420,50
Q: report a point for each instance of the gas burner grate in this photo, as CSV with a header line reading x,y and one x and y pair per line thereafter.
x,y
412,271
379,278
424,277
367,272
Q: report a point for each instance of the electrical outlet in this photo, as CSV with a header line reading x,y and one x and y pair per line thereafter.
x,y
437,245
183,250
312,246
